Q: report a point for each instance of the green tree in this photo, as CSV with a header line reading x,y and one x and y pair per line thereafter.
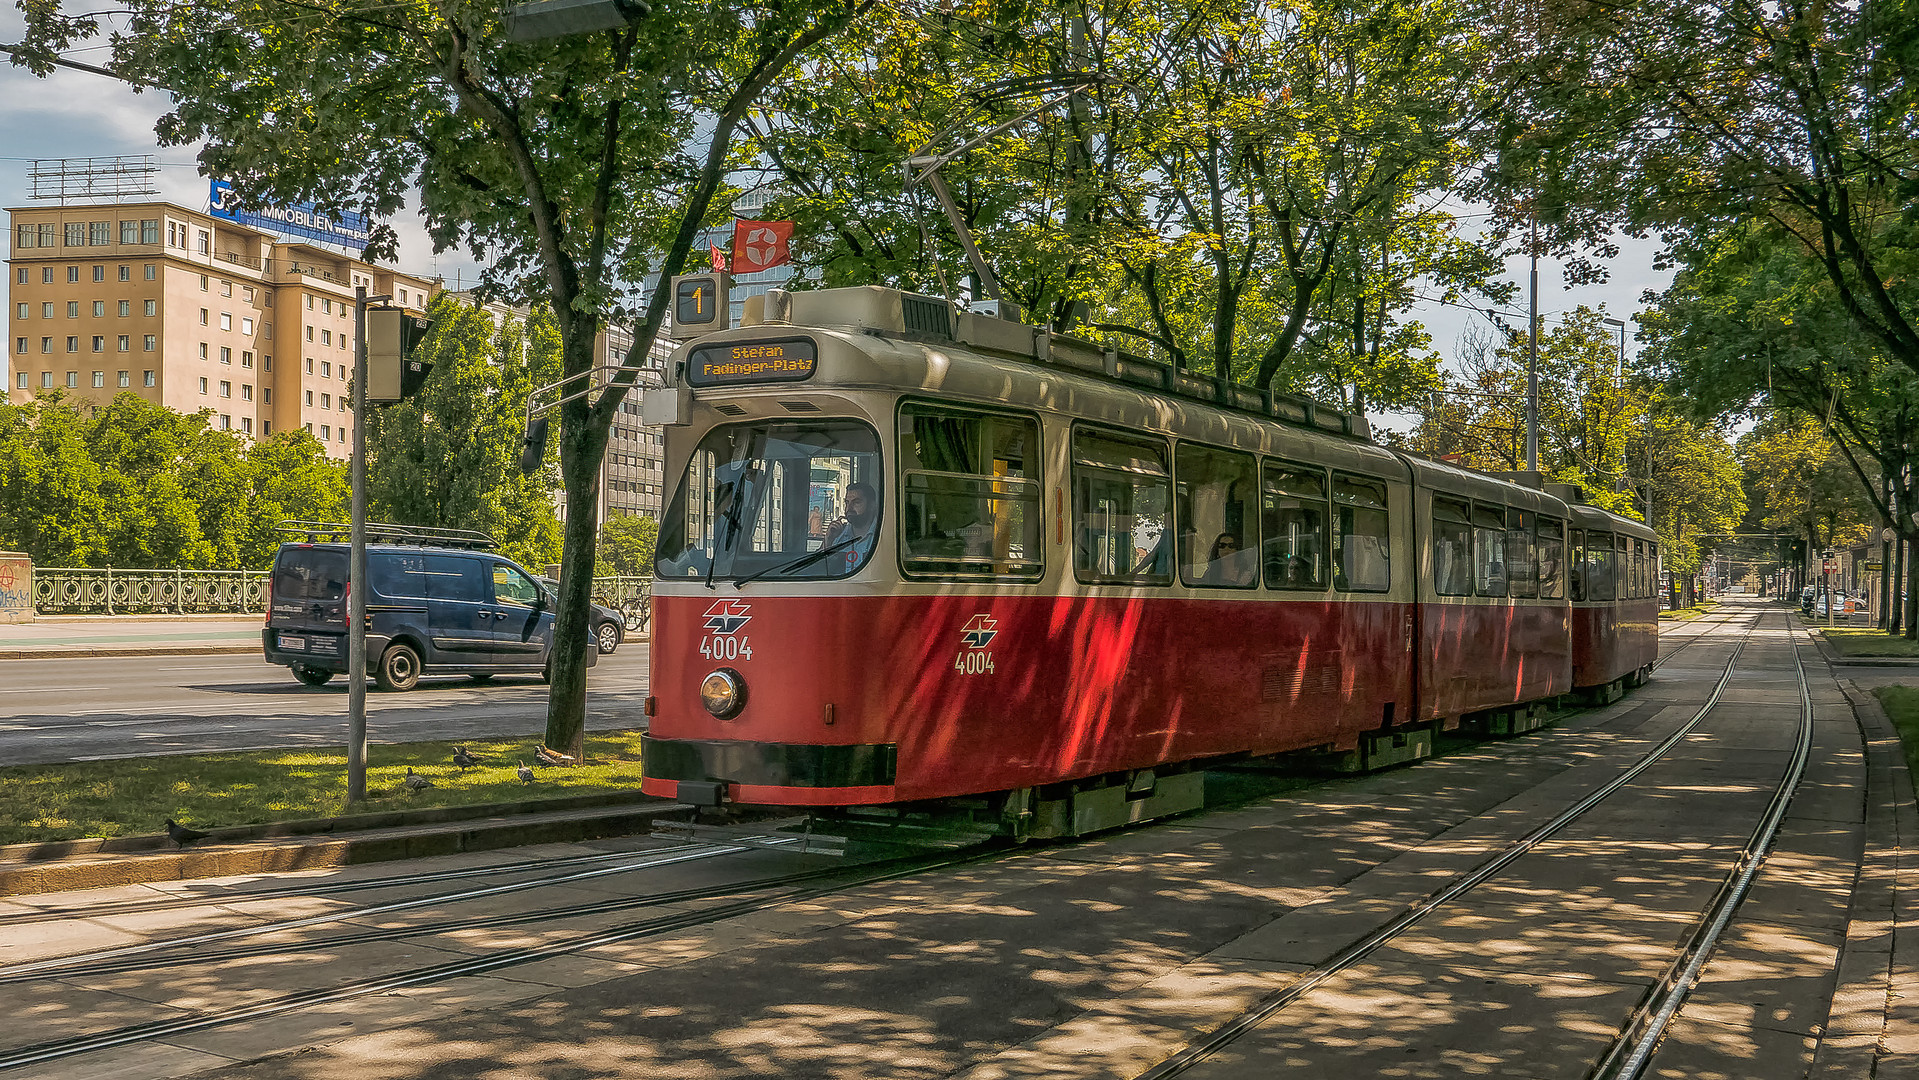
x,y
581,168
293,479
51,506
627,541
449,457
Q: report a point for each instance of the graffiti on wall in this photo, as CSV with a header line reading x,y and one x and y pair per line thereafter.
x,y
16,583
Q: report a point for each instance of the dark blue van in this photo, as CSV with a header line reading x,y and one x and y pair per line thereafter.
x,y
431,610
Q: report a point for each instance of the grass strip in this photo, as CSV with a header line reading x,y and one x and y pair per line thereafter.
x,y
1902,705
1865,641
40,803
1703,607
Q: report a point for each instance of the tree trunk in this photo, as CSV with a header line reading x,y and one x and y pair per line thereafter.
x,y
582,447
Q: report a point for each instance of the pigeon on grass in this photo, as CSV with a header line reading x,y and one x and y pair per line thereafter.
x,y
181,835
526,774
551,757
414,781
463,759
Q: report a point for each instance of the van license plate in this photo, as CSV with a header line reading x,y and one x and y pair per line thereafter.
x,y
288,641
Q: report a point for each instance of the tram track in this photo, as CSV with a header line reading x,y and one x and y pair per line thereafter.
x,y
1627,1056
129,1035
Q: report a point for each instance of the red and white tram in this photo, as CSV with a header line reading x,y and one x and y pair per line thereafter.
x,y
917,554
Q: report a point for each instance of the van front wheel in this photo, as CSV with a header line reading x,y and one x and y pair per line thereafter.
x,y
399,668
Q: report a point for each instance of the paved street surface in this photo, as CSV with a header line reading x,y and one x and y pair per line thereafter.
x,y
88,708
86,634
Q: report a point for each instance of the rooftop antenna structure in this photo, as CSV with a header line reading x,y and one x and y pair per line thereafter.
x,y
93,179
922,165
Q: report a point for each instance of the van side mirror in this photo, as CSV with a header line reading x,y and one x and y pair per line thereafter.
x,y
533,446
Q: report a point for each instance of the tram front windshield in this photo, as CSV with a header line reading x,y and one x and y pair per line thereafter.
x,y
775,500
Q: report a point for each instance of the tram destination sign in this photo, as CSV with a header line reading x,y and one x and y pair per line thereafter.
x,y
787,360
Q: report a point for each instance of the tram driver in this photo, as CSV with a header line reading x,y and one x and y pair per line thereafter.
x,y
855,530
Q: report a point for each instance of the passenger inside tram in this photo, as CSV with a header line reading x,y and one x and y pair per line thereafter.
x,y
1228,564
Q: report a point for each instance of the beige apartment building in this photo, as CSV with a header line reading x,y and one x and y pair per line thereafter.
x,y
188,311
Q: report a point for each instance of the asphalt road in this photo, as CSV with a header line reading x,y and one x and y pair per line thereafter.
x,y
92,708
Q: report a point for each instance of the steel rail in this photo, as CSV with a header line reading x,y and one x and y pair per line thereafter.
x,y
62,963
179,903
1195,1052
1632,1051
137,1033
397,933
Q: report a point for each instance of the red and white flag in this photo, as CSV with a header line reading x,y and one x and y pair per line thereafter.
x,y
761,245
717,256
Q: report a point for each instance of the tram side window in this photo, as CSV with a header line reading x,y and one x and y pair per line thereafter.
x,y
1638,567
1552,554
1293,526
1122,503
1215,490
1576,562
1601,568
969,500
1452,548
1489,550
1364,553
1521,569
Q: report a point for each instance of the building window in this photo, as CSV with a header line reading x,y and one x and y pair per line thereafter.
x,y
24,237
146,378
326,401
309,332
99,379
150,307
126,273
46,380
125,343
246,391
342,435
205,239
100,233
203,283
226,388
309,365
24,311
21,347
73,344
246,327
226,320
73,380
266,428
21,276
326,337
309,399
226,422
152,271
46,310
73,309
149,234
125,308
146,344
226,355
326,432
99,309
328,305
46,236
99,272
309,301
22,381
73,275
76,234
203,384
266,395
266,362
46,275
246,358
326,370
129,232
246,424
226,288
203,316
246,293
203,350
46,344
124,378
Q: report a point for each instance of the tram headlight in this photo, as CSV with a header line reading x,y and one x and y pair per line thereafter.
x,y
723,693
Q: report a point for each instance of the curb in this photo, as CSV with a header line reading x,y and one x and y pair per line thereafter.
x,y
1873,1028
1832,657
55,652
476,828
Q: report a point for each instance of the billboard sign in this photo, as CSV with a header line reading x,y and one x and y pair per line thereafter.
x,y
300,219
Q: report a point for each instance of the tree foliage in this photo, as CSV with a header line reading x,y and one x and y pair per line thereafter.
x,y
449,457
627,542
136,485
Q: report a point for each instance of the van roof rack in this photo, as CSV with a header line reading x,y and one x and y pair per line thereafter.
x,y
385,532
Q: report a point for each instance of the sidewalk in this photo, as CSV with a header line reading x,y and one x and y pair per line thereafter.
x,y
131,635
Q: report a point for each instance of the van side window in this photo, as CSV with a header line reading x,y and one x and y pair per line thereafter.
x,y
1217,546
1364,554
1293,526
1452,548
1122,503
512,587
1489,550
1520,567
1552,555
969,494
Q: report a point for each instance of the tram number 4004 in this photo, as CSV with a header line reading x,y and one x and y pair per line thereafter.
x,y
726,648
971,662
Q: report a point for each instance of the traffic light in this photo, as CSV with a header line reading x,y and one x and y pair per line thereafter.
x,y
533,446
392,335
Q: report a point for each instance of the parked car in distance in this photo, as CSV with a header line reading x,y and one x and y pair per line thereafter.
x,y
433,608
609,627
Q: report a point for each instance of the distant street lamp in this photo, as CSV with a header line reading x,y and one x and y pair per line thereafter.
x,y
1619,362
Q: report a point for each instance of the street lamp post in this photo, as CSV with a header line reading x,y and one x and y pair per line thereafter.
x,y
356,565
1532,354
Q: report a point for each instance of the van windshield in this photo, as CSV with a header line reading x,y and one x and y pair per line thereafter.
x,y
309,574
758,498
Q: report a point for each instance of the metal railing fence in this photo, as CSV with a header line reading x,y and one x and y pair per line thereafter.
x,y
86,590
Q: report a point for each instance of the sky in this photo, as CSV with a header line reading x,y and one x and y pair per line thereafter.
x,y
76,114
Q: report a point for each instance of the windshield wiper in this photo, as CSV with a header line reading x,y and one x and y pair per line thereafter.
x,y
800,563
729,522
